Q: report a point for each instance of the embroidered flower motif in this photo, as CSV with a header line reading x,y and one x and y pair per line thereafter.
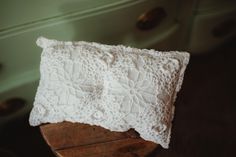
x,y
73,85
40,110
171,65
135,89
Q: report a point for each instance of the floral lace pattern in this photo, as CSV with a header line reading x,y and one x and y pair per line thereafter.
x,y
115,87
135,89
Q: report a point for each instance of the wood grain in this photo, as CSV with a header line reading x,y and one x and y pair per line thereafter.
x,y
119,148
81,140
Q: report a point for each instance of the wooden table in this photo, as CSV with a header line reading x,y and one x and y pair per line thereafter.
x,y
80,140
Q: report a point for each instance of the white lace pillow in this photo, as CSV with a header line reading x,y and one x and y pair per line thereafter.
x,y
115,87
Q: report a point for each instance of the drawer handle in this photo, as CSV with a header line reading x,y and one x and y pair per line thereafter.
x,y
11,106
151,19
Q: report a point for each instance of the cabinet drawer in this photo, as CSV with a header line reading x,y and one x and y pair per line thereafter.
x,y
15,13
212,28
113,23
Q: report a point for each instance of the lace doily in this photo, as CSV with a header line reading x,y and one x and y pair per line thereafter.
x,y
115,87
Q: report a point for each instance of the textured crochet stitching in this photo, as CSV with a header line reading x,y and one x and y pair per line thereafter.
x,y
115,87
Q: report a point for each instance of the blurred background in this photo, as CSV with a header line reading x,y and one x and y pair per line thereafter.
x,y
204,124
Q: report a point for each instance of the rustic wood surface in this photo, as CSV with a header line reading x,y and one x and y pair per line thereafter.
x,y
81,140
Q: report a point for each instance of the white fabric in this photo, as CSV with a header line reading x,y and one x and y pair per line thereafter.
x,y
115,87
